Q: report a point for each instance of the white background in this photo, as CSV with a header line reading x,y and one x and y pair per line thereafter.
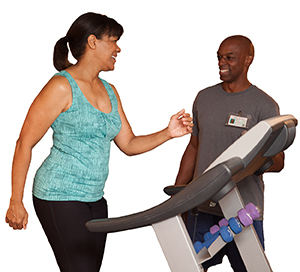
x,y
168,55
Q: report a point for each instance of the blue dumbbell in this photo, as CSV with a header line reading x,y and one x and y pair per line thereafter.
x,y
207,236
235,225
226,234
198,245
211,240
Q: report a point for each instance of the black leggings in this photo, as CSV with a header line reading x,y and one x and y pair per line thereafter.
x,y
74,247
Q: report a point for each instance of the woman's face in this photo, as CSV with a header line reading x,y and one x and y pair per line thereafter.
x,y
107,50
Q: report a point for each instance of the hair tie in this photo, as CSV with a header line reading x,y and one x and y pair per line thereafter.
x,y
66,39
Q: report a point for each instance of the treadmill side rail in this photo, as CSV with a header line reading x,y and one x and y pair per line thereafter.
x,y
177,245
247,242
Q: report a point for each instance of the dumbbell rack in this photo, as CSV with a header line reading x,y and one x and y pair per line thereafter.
x,y
251,153
181,255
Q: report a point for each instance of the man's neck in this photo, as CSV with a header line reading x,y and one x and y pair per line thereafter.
x,y
235,87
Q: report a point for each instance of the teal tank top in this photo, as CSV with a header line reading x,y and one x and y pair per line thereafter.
x,y
77,167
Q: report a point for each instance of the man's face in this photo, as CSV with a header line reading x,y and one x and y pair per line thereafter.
x,y
232,56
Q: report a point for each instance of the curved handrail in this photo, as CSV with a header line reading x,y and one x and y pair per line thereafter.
x,y
197,192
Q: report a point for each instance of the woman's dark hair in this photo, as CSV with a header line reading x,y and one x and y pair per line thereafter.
x,y
84,26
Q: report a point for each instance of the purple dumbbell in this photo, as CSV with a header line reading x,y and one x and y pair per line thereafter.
x,y
252,210
245,217
223,222
214,229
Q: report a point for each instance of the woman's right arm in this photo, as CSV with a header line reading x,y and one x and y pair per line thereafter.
x,y
54,98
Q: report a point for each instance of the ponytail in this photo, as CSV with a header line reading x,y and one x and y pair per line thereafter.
x,y
84,26
60,55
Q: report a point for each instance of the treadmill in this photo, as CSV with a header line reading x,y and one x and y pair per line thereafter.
x,y
252,153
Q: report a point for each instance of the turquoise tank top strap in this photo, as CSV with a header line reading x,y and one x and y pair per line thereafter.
x,y
111,94
76,92
68,77
108,87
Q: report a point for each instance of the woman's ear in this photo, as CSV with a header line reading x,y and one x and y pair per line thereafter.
x,y
91,41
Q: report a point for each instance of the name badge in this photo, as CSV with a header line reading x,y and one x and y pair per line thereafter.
x,y
239,120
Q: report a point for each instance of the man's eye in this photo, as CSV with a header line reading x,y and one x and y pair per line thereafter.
x,y
226,58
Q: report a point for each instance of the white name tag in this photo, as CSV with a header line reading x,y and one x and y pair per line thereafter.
x,y
238,120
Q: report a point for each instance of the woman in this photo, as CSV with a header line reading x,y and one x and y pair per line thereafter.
x,y
86,114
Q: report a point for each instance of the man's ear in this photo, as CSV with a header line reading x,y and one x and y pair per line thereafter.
x,y
249,60
91,41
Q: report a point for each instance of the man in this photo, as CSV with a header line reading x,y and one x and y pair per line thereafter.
x,y
222,113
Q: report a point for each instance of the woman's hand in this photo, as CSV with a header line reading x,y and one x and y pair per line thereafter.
x,y
180,124
17,216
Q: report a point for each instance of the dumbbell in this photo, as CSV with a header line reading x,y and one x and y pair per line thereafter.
x,y
253,211
247,215
227,228
216,228
226,232
209,240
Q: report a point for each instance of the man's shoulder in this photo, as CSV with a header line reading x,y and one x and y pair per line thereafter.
x,y
213,87
263,95
209,91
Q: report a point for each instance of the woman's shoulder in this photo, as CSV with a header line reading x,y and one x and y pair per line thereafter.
x,y
57,89
58,83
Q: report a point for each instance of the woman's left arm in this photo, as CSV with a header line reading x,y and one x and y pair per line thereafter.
x,y
179,125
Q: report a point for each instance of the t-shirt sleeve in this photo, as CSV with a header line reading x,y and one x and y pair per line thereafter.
x,y
270,109
195,118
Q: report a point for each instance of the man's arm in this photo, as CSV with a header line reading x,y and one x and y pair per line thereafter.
x,y
278,163
188,161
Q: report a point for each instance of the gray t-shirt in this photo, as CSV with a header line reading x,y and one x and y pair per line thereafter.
x,y
211,111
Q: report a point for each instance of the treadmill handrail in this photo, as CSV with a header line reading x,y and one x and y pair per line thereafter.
x,y
194,194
